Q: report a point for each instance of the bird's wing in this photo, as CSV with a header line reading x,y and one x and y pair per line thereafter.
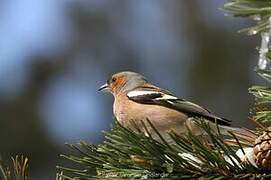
x,y
156,96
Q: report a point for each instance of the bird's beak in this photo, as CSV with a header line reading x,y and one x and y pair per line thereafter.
x,y
104,88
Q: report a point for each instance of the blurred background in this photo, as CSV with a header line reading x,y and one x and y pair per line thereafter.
x,y
55,54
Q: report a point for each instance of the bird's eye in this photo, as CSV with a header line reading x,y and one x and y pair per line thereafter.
x,y
114,79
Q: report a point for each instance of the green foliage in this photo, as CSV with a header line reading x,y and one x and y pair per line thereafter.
x,y
126,154
263,99
20,169
259,10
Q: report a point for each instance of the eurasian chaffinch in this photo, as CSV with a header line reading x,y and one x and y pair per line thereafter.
x,y
138,100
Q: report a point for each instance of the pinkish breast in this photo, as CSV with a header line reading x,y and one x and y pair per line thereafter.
x,y
161,117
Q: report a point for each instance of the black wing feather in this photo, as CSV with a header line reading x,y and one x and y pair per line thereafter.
x,y
181,105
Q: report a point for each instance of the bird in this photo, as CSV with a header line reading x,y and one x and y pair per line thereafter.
x,y
136,100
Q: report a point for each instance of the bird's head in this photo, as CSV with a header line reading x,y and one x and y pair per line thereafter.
x,y
123,82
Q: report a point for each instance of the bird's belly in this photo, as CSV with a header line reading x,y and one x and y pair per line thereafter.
x,y
164,119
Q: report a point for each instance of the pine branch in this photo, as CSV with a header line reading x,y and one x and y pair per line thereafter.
x,y
20,169
259,10
126,154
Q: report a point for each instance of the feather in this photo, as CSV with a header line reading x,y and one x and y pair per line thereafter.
x,y
156,96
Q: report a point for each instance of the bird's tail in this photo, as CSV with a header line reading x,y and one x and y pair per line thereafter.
x,y
242,134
